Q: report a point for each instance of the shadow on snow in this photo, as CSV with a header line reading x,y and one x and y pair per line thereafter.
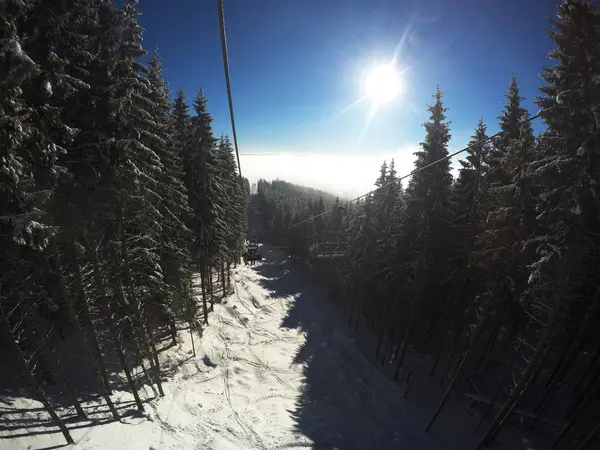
x,y
345,401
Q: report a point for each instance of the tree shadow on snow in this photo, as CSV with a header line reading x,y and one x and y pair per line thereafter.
x,y
345,402
26,422
19,419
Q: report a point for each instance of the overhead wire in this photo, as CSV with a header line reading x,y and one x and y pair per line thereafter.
x,y
228,85
420,169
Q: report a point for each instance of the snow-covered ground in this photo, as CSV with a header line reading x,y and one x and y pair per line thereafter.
x,y
274,370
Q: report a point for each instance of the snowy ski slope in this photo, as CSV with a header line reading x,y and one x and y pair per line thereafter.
x,y
274,370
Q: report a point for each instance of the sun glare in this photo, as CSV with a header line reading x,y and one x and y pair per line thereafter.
x,y
383,84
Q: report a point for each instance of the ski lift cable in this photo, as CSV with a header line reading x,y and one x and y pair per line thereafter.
x,y
482,141
228,85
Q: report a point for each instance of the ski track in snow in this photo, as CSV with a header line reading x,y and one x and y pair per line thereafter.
x,y
255,384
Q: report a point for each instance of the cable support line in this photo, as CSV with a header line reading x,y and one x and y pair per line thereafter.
x,y
482,141
228,85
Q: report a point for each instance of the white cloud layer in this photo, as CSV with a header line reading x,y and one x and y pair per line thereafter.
x,y
335,172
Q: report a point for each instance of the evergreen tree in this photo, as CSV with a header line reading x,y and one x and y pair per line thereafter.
x,y
335,223
513,115
466,220
563,279
509,123
566,169
200,171
181,129
428,212
16,69
466,188
173,205
234,205
319,211
499,242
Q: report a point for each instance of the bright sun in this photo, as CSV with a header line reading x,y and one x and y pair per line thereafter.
x,y
383,84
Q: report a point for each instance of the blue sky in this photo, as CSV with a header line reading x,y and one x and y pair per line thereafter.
x,y
296,65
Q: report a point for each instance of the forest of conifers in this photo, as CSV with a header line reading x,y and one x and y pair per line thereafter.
x,y
494,275
117,203
113,198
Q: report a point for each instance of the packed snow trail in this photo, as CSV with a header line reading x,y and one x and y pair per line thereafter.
x,y
274,370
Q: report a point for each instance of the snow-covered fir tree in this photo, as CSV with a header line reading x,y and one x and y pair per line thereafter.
x,y
566,168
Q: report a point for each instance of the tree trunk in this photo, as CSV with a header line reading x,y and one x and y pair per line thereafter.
x,y
519,412
588,439
474,336
119,348
154,355
146,337
210,291
141,342
486,349
192,338
173,330
87,317
503,379
108,310
575,347
537,372
204,304
223,280
523,383
140,315
190,314
587,370
27,373
408,330
35,323
412,322
582,396
140,357
429,334
437,357
75,321
454,349
380,339
590,394
389,345
228,277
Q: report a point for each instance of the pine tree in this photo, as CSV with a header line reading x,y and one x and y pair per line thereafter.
x,y
335,224
502,206
201,176
510,120
361,253
563,274
428,214
568,206
133,236
234,206
466,220
173,206
181,129
467,186
200,168
319,220
509,123
16,69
